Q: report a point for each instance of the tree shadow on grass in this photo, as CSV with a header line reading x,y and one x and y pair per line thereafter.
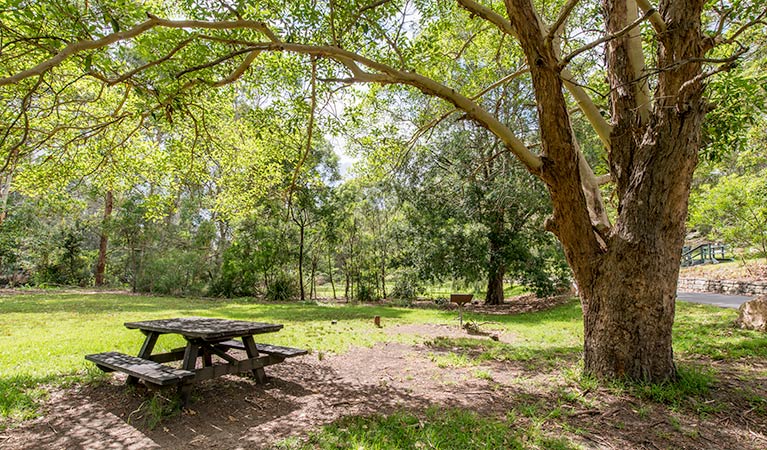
x,y
243,309
306,394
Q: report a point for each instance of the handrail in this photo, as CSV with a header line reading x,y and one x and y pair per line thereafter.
x,y
704,254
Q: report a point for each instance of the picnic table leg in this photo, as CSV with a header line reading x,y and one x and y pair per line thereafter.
x,y
252,352
145,352
207,356
190,362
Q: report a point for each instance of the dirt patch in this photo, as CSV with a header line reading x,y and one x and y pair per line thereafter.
x,y
306,392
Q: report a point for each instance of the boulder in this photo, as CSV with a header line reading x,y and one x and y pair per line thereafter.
x,y
753,314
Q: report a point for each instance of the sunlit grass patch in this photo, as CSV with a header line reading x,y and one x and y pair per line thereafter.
x,y
450,359
701,330
439,429
691,382
45,336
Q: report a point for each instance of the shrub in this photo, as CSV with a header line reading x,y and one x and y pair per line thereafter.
x,y
282,288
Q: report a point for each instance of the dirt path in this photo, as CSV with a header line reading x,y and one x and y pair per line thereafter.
x,y
307,392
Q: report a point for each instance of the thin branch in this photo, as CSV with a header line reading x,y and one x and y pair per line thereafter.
x,y
718,40
563,15
153,22
655,18
309,132
126,76
214,62
728,64
604,39
488,14
239,70
433,123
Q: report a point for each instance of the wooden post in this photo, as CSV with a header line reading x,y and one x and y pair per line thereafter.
x,y
460,300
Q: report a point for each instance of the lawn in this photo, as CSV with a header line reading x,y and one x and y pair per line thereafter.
x,y
51,332
45,335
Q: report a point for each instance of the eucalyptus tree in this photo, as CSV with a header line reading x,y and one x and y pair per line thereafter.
x,y
658,62
475,213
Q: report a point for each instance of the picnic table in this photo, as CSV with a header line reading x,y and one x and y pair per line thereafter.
x,y
205,337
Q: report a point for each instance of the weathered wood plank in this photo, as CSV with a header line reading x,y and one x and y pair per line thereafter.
x,y
144,369
206,328
285,352
245,365
173,355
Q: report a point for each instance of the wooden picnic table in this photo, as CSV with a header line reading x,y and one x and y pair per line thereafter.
x,y
205,337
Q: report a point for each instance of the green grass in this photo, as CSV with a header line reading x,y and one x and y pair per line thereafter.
x,y
45,336
434,291
437,429
693,382
701,330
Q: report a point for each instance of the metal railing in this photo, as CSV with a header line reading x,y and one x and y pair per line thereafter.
x,y
704,254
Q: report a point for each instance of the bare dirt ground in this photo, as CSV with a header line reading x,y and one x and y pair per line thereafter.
x,y
305,393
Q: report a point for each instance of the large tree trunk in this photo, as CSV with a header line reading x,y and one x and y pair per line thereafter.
x,y
496,268
626,274
494,294
101,263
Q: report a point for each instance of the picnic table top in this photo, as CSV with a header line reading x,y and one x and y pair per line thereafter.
x,y
206,328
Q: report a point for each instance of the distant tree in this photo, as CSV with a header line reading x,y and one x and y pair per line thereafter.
x,y
476,213
735,210
657,65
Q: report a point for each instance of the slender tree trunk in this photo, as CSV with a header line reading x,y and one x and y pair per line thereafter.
x,y
5,192
312,286
347,279
330,273
101,263
301,260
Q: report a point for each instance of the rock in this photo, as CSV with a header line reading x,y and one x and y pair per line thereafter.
x,y
753,314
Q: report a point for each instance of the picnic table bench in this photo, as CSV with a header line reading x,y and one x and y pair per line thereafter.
x,y
205,338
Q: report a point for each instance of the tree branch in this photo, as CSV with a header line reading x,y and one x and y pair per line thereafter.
x,y
600,125
126,76
655,18
563,15
153,22
717,39
239,70
604,39
489,15
635,55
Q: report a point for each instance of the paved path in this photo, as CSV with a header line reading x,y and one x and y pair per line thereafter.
x,y
724,301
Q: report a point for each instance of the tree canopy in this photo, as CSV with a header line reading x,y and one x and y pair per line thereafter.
x,y
148,66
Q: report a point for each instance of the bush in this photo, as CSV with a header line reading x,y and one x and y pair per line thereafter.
x,y
281,289
366,293
407,288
